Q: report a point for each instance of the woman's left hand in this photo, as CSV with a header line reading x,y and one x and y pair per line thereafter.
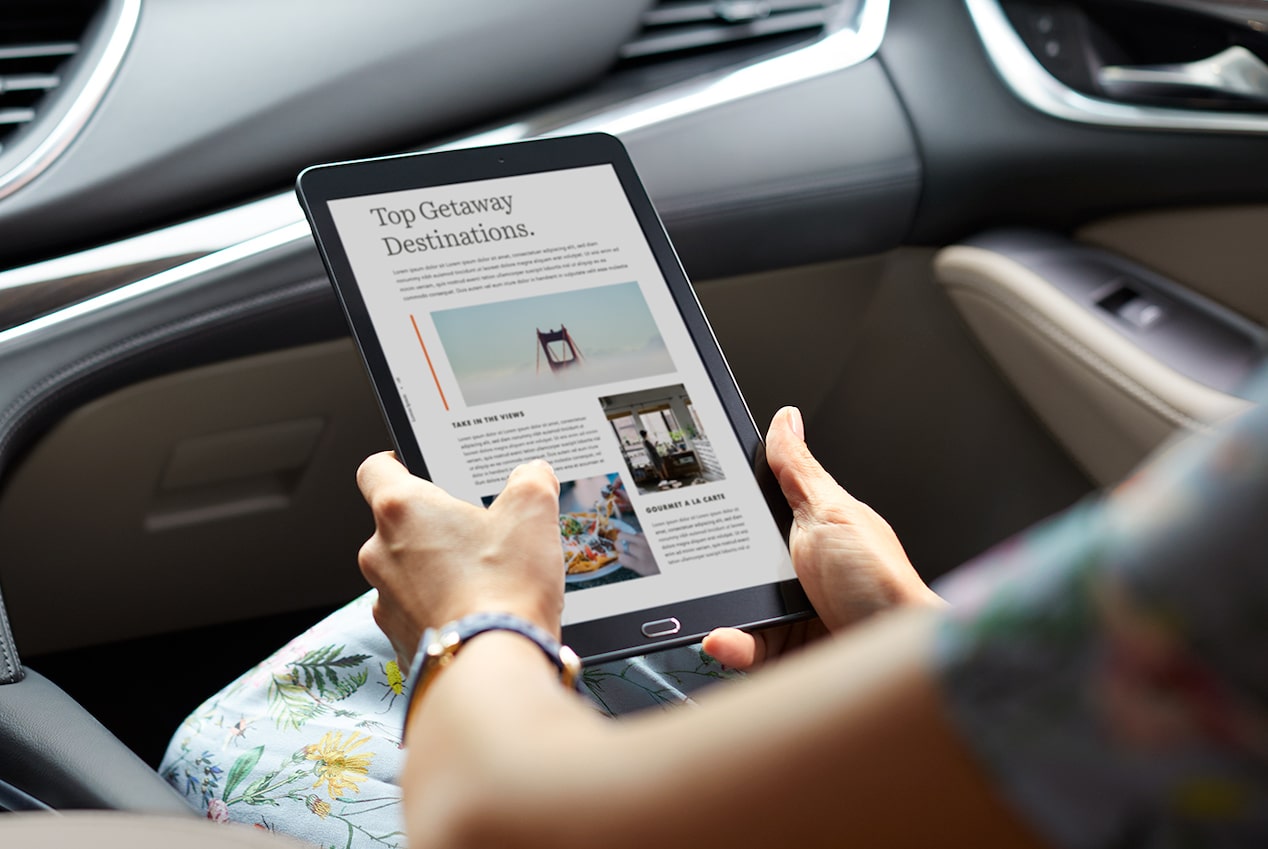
x,y
434,558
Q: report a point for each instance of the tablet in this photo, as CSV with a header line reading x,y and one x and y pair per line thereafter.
x,y
523,301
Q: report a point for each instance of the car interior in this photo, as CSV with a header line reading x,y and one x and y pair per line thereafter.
x,y
997,251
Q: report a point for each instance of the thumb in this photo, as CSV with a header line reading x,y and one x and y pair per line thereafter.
x,y
805,483
735,648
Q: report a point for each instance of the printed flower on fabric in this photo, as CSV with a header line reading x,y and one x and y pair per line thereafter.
x,y
336,765
318,806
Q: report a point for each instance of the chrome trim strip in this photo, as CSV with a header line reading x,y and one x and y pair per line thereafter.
x,y
199,236
274,221
242,250
842,48
1033,85
85,103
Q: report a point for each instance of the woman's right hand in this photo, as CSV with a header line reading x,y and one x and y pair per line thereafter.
x,y
434,558
848,558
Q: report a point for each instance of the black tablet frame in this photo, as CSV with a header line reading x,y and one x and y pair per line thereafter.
x,y
621,635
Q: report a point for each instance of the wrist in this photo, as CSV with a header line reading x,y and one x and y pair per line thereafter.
x,y
538,614
439,647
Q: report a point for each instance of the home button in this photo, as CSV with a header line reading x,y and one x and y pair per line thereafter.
x,y
661,627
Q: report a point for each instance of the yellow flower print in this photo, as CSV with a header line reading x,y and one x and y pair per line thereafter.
x,y
318,806
336,766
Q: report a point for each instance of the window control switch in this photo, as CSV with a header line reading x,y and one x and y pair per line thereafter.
x,y
1131,306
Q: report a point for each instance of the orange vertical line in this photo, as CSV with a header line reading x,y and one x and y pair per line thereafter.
x,y
432,368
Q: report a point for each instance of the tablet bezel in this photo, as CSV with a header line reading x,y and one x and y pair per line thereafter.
x,y
620,635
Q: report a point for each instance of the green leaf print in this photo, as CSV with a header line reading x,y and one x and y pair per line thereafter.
x,y
257,786
290,703
317,677
241,769
313,676
351,683
320,670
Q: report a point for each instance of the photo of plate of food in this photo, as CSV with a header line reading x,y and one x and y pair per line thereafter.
x,y
599,532
590,544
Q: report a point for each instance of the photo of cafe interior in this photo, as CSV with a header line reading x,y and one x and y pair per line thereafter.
x,y
661,438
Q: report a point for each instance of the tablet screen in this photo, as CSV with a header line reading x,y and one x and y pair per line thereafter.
x,y
526,316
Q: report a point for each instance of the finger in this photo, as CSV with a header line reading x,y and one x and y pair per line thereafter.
x,y
370,561
377,470
393,492
531,489
534,472
805,483
735,648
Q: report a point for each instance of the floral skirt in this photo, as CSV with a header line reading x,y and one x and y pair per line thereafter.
x,y
308,743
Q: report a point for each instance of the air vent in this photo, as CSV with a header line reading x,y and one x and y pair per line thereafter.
x,y
676,26
37,43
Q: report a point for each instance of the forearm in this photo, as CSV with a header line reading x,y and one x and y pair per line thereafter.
x,y
844,744
847,741
493,733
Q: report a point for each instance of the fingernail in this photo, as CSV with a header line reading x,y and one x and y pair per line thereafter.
x,y
795,422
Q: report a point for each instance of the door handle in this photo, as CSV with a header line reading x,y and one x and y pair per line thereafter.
x,y
1232,74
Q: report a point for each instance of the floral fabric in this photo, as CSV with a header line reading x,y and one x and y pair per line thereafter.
x,y
308,743
1110,668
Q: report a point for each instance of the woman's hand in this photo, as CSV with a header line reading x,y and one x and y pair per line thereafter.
x,y
847,557
636,554
434,558
742,650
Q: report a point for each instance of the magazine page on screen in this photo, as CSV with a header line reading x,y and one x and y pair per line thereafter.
x,y
526,317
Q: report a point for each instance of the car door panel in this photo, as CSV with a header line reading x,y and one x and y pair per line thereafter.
x,y
1140,179
991,160
1217,251
1113,359
901,405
